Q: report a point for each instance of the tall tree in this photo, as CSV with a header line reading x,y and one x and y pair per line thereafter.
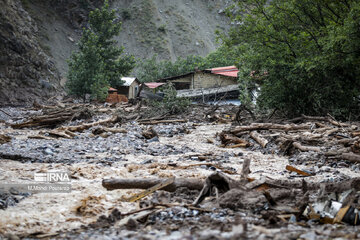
x,y
99,63
303,53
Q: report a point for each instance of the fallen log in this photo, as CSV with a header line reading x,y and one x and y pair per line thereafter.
x,y
60,134
54,118
306,148
4,139
347,141
224,183
352,157
82,127
100,130
325,119
227,139
337,152
145,183
239,145
38,136
17,157
298,171
259,139
5,113
115,130
355,134
162,121
269,126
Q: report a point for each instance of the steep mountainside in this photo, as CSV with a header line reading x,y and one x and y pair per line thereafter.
x,y
38,36
26,72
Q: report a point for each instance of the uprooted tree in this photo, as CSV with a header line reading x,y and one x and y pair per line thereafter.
x,y
99,62
304,54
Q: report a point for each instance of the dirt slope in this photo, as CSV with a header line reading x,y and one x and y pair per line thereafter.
x,y
26,71
169,29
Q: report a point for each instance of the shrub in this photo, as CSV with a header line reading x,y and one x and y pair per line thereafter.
x,y
170,103
303,54
126,15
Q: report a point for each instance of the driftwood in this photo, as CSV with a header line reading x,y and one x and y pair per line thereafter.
x,y
305,148
221,183
100,130
16,157
298,171
55,117
152,122
318,134
145,183
82,127
227,139
5,113
58,134
269,126
351,157
259,139
239,145
4,139
245,169
328,119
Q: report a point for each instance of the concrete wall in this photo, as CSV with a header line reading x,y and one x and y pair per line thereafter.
x,y
208,80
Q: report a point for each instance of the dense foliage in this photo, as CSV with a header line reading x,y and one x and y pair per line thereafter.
x,y
170,104
304,54
150,69
99,62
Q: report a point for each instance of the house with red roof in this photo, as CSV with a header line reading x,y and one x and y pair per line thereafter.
x,y
203,79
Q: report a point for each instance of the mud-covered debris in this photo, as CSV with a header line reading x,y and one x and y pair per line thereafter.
x,y
11,197
106,221
335,208
4,139
149,133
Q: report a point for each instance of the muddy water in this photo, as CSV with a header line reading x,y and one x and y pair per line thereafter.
x,y
46,214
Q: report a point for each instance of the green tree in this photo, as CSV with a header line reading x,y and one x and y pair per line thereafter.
x,y
303,53
99,63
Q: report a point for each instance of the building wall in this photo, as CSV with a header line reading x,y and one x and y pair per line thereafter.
x,y
208,80
123,90
203,80
183,83
133,88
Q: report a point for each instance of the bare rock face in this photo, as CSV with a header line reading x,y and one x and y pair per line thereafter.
x,y
27,74
76,12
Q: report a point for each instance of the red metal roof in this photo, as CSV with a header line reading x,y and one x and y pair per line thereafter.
x,y
230,71
112,89
153,84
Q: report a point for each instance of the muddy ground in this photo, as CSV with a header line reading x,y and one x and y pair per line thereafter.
x,y
92,212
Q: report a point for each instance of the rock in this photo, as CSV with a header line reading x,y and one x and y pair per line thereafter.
x,y
154,139
149,133
131,224
48,151
309,236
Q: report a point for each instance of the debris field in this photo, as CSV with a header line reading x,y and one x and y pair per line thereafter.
x,y
205,174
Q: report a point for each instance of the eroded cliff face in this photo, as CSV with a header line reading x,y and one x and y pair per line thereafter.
x,y
27,73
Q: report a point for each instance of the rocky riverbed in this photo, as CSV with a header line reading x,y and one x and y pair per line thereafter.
x,y
191,149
